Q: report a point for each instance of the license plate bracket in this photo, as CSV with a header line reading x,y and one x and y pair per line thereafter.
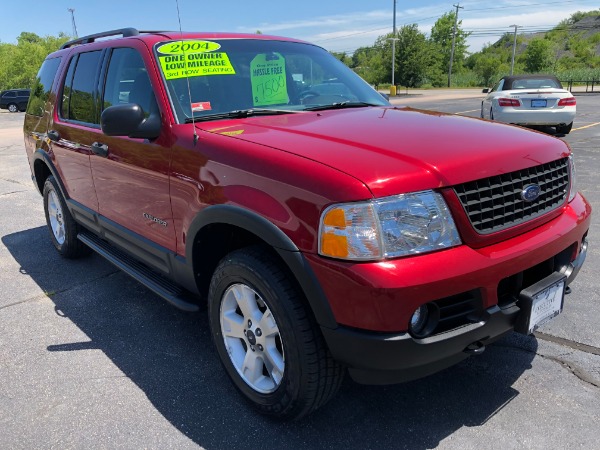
x,y
537,103
540,303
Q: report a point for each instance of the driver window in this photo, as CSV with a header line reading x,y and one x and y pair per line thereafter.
x,y
127,81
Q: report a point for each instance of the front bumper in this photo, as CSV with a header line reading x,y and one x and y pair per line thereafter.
x,y
387,358
375,358
373,302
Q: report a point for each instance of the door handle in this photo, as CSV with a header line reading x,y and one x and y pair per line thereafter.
x,y
53,136
100,149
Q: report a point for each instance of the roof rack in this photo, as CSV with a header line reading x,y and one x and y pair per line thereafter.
x,y
124,32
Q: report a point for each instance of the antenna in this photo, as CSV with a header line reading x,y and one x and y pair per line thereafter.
x,y
187,78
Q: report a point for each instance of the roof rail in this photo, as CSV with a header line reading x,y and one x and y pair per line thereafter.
x,y
124,32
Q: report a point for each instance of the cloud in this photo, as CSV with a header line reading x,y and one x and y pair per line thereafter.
x,y
346,32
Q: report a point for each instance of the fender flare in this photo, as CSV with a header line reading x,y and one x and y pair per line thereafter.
x,y
275,238
45,158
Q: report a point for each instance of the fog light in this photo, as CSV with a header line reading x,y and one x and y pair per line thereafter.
x,y
418,321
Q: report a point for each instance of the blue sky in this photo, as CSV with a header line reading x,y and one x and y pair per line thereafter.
x,y
338,26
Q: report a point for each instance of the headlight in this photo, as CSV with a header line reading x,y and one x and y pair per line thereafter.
x,y
390,227
573,178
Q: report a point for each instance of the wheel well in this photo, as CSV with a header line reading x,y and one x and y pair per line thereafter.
x,y
41,172
212,243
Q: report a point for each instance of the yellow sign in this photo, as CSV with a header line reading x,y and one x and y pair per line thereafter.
x,y
269,82
180,59
181,47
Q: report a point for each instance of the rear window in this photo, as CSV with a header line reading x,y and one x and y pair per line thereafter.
x,y
536,83
42,87
79,93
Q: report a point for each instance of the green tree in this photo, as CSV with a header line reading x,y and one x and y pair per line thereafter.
x,y
368,63
414,56
19,63
538,56
486,67
441,38
343,57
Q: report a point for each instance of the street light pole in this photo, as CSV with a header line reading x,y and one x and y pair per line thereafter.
x,y
394,39
512,62
72,11
457,6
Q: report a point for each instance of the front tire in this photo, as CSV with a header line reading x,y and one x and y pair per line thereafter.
x,y
13,108
266,338
63,228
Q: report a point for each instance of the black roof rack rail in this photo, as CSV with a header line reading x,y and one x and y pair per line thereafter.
x,y
124,32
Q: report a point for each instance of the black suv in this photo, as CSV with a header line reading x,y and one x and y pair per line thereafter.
x,y
14,100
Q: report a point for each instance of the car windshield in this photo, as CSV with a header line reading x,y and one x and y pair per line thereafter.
x,y
212,79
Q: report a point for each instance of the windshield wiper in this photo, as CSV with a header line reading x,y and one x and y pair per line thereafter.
x,y
241,113
340,105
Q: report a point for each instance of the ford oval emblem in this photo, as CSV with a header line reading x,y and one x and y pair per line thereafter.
x,y
531,192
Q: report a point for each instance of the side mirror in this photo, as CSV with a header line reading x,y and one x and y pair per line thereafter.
x,y
386,96
485,90
129,120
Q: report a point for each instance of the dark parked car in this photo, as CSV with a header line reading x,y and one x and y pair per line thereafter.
x,y
329,231
14,100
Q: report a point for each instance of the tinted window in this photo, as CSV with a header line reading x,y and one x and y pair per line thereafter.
x,y
79,96
9,94
42,86
127,81
23,93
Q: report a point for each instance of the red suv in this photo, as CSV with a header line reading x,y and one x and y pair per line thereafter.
x,y
327,230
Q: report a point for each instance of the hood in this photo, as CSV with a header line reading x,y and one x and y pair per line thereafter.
x,y
396,150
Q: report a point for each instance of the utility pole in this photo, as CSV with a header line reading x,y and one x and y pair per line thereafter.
x,y
72,11
457,6
512,62
394,39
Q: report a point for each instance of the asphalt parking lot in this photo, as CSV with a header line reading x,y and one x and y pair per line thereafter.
x,y
89,358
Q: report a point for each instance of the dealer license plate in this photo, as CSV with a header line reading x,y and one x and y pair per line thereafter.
x,y
539,103
541,302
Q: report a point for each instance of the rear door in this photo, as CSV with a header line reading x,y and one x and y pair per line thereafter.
x,y
76,126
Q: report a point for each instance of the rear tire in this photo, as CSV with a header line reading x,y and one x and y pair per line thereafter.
x,y
266,338
63,228
564,129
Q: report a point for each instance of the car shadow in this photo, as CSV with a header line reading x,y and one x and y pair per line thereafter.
x,y
169,355
546,129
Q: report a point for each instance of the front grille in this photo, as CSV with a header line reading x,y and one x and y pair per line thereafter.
x,y
495,203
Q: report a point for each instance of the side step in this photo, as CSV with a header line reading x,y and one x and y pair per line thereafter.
x,y
168,290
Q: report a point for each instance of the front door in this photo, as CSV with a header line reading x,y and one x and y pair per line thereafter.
x,y
131,178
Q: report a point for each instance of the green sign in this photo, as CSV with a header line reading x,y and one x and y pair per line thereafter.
x,y
269,82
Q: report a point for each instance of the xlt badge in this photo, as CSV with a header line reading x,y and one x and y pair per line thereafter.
x,y
155,219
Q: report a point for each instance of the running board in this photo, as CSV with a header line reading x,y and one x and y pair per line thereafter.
x,y
168,290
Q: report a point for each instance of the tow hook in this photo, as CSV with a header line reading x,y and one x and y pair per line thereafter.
x,y
476,348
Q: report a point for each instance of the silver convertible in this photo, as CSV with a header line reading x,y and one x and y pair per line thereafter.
x,y
530,100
